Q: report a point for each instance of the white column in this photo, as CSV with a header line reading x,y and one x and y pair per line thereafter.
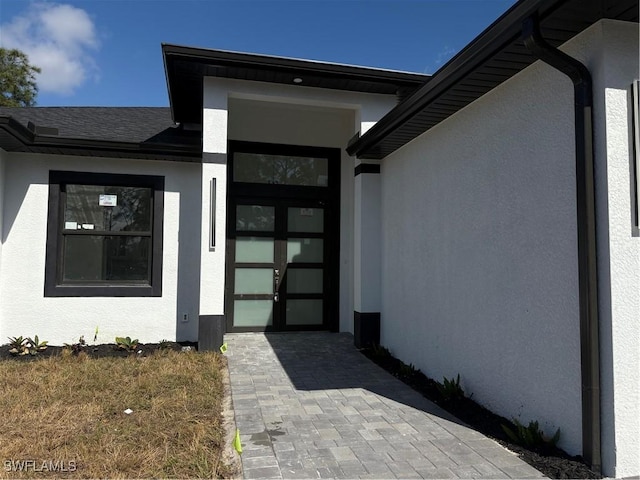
x,y
367,253
214,167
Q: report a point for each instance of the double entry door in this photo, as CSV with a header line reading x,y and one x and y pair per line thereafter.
x,y
280,265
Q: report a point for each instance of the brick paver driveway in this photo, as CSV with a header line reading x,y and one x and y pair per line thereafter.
x,y
309,405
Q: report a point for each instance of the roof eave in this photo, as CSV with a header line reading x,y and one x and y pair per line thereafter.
x,y
166,77
28,141
186,104
494,37
205,55
500,35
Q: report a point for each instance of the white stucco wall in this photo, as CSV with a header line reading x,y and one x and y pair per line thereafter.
x,y
294,115
479,249
367,293
614,66
214,166
23,308
479,252
212,262
2,155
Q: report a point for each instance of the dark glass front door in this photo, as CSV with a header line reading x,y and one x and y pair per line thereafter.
x,y
282,244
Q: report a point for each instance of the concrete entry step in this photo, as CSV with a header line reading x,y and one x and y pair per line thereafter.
x,y
309,405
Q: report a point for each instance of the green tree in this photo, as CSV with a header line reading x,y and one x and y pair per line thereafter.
x,y
18,86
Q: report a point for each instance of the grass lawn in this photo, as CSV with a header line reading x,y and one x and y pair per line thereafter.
x,y
63,417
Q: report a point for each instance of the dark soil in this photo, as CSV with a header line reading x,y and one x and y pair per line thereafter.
x,y
95,351
548,459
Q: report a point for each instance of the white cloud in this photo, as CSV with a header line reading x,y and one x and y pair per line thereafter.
x,y
59,39
445,54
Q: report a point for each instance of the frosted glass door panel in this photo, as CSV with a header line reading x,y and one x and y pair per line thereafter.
x,y
254,250
305,219
252,313
305,250
304,312
254,281
304,280
255,218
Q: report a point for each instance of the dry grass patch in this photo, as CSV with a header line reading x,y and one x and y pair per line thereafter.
x,y
67,413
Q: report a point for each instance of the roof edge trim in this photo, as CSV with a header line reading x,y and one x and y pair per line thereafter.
x,y
316,66
500,33
30,140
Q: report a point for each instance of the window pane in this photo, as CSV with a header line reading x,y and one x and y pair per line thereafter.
x,y
304,280
304,312
280,169
252,313
307,171
305,220
254,281
257,218
92,258
254,250
112,209
304,250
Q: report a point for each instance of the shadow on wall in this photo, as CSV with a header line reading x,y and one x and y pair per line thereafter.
x,y
15,193
188,262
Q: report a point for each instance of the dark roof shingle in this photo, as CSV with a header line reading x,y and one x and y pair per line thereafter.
x,y
127,132
120,124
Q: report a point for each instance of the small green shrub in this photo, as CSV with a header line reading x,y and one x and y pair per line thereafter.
x,y
530,436
26,346
407,370
380,352
125,343
451,389
35,345
17,345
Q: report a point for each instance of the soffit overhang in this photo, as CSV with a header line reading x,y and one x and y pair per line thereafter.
x,y
186,68
496,55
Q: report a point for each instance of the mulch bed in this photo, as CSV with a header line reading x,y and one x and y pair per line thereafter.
x,y
96,351
548,459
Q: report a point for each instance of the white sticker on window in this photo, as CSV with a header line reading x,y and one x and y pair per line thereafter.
x,y
108,200
87,226
71,225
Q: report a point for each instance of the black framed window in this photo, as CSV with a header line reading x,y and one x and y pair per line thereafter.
x,y
104,235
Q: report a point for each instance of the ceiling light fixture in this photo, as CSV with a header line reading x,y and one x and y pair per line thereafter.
x,y
297,80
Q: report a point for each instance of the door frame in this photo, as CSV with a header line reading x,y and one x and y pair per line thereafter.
x,y
327,197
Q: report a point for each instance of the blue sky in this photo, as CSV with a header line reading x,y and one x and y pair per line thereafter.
x,y
107,52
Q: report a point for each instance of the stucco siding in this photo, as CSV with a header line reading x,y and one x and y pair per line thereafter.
x,y
23,308
480,261
2,155
618,248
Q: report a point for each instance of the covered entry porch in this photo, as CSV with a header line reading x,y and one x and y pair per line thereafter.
x,y
290,237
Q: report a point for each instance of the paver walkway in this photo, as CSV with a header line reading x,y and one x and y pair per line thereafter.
x,y
309,405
